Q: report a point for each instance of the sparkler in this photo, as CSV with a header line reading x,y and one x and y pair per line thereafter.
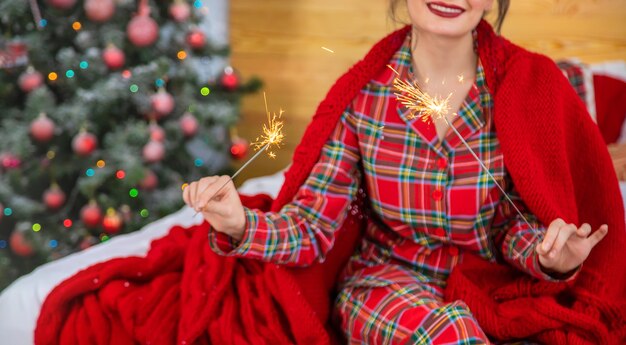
x,y
272,138
429,108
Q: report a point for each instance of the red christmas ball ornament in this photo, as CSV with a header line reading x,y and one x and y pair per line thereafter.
x,y
10,161
229,79
42,128
126,213
113,57
112,222
20,245
239,148
188,124
153,151
180,11
54,197
149,181
152,115
156,133
99,11
162,103
87,242
142,30
84,143
30,80
91,215
62,4
196,39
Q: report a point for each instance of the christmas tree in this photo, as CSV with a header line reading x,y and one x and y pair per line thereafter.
x,y
108,107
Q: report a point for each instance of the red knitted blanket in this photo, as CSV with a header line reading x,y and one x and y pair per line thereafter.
x,y
182,293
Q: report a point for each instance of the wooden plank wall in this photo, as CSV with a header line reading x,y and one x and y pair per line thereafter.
x,y
281,42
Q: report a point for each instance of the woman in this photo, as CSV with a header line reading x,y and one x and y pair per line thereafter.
x,y
436,228
430,202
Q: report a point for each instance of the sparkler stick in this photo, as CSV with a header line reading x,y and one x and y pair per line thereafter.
x,y
272,136
488,172
431,108
240,170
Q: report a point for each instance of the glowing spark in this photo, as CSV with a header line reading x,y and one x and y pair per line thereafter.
x,y
272,136
420,104
426,80
329,50
460,77
394,71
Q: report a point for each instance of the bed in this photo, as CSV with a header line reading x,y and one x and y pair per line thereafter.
x,y
21,301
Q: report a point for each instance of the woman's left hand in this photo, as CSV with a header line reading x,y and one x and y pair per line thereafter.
x,y
566,247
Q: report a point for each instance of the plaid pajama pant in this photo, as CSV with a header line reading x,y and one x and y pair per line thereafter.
x,y
405,313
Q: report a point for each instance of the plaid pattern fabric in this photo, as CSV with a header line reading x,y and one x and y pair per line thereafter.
x,y
580,77
574,74
405,313
430,202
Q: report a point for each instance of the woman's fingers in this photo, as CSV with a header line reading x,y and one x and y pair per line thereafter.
x,y
194,190
584,231
214,191
597,236
550,237
565,233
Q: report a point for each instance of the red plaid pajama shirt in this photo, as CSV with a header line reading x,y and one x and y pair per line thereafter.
x,y
430,202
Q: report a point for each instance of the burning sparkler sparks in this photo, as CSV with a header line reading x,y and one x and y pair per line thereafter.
x,y
328,50
421,104
272,138
429,108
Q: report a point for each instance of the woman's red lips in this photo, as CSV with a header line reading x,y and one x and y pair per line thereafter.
x,y
445,10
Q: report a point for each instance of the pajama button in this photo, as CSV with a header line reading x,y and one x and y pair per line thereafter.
x,y
437,194
453,250
440,232
442,163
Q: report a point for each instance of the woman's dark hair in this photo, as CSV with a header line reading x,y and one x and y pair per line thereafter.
x,y
503,8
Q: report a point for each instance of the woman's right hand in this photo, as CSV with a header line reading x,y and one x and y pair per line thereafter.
x,y
223,210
